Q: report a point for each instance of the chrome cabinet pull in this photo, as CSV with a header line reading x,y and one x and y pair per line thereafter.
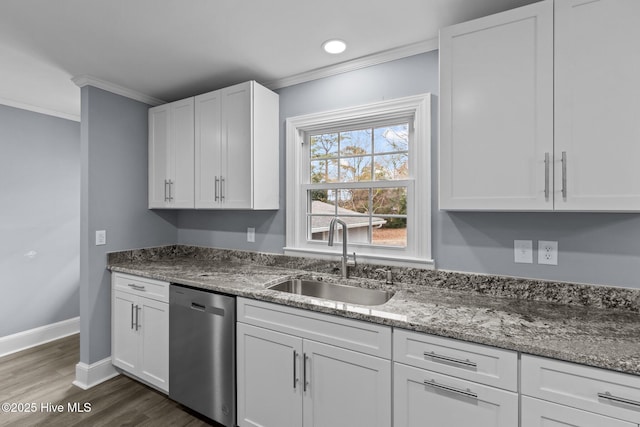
x,y
136,287
546,177
439,357
132,324
217,182
564,175
138,325
295,358
465,393
165,190
609,396
170,190
221,188
304,373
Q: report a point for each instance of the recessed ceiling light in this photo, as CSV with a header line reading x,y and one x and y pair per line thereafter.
x,y
334,46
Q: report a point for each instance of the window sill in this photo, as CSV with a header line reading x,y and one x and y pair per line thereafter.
x,y
425,264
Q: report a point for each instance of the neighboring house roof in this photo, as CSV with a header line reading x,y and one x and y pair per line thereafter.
x,y
321,223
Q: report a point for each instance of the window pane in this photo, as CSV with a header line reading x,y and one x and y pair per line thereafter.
x,y
391,166
390,201
322,202
388,139
392,233
355,142
353,201
324,171
355,169
324,145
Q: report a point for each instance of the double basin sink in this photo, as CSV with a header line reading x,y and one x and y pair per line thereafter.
x,y
333,291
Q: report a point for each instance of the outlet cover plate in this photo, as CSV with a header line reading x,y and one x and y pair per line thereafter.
x,y
523,251
547,252
251,234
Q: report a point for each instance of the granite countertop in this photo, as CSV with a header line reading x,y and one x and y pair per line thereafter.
x,y
585,333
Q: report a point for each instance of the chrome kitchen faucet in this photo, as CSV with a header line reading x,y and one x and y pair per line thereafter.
x,y
345,256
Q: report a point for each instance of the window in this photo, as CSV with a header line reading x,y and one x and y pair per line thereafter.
x,y
370,167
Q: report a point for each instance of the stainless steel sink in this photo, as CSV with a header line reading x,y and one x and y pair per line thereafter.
x,y
332,291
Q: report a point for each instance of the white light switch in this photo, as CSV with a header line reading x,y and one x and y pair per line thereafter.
x,y
523,251
101,237
251,234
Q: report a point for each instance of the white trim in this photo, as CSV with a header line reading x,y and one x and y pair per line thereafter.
x,y
391,261
36,336
356,64
88,376
41,110
86,80
419,208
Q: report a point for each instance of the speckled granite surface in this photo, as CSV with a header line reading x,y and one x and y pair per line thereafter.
x,y
593,325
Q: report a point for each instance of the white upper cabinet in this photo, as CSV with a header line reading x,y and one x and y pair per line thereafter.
x,y
496,107
237,148
539,109
597,104
171,145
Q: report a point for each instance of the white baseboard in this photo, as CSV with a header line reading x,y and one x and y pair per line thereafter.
x,y
43,334
88,376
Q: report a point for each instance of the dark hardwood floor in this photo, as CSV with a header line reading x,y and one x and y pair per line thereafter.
x,y
43,375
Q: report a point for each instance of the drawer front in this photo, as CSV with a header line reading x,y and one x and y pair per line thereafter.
x,y
148,288
351,334
427,399
473,362
538,413
596,390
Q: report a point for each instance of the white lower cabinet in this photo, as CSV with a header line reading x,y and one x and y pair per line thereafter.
x,y
291,380
426,399
538,413
140,329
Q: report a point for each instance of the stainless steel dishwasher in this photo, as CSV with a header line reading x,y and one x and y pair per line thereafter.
x,y
202,367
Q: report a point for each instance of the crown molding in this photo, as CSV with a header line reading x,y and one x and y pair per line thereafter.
x,y
40,110
356,64
86,80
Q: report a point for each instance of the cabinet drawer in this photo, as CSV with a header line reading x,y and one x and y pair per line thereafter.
x,y
351,334
426,399
596,390
148,288
473,362
538,413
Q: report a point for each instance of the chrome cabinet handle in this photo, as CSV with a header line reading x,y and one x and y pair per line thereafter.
x,y
304,373
165,190
564,175
170,190
132,323
546,177
609,396
465,393
217,182
136,287
138,325
295,380
439,357
221,188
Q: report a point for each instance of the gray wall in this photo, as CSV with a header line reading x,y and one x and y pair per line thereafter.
x,y
593,248
113,198
39,214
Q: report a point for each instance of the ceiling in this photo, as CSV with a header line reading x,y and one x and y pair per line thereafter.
x,y
172,49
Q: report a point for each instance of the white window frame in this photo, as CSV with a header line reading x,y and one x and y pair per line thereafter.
x,y
418,250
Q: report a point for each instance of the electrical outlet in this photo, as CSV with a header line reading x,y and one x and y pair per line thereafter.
x,y
251,234
523,251
101,237
547,252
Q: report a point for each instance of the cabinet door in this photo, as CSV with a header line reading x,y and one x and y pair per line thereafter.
x,y
268,378
208,148
158,155
425,399
237,151
597,104
345,388
124,337
181,154
496,109
538,413
153,327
